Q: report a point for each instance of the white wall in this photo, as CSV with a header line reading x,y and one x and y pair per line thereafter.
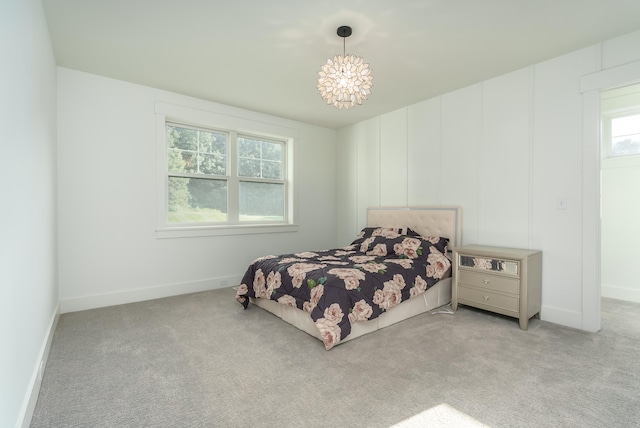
x,y
109,253
505,149
28,263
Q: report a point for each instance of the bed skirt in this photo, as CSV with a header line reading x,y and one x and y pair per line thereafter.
x,y
438,295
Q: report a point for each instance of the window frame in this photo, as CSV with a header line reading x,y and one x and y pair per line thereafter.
x,y
233,126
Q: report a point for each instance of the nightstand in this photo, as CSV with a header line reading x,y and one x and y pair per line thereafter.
x,y
506,281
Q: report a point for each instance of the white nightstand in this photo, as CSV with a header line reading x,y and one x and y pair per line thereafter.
x,y
503,280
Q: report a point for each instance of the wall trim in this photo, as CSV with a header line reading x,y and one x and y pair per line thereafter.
x,y
82,303
616,76
562,317
620,293
591,260
30,400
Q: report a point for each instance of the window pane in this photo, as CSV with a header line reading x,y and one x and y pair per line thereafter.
x,y
248,148
260,159
182,161
196,151
627,125
212,142
261,201
272,170
249,168
627,145
625,135
212,164
197,200
272,151
182,138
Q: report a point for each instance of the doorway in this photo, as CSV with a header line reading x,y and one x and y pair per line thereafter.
x,y
620,195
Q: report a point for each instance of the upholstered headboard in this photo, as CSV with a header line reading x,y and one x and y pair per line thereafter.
x,y
437,220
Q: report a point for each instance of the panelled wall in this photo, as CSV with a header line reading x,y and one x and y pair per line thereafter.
x,y
451,150
506,150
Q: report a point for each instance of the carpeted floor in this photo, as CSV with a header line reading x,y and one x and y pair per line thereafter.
x,y
199,360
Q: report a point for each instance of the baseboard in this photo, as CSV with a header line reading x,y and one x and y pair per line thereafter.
x,y
563,317
38,371
621,293
75,304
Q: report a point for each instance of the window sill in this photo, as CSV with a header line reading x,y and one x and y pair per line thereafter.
x,y
627,161
197,231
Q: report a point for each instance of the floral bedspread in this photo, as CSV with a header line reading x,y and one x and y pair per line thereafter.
x,y
338,287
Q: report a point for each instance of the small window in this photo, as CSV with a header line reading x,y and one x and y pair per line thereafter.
x,y
625,135
622,133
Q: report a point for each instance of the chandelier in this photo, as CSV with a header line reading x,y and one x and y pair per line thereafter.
x,y
345,80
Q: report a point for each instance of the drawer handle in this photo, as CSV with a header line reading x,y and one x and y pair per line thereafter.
x,y
486,281
486,298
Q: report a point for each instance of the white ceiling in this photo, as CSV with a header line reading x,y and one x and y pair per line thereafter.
x,y
265,55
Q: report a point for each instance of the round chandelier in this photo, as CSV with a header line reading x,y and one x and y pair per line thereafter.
x,y
345,80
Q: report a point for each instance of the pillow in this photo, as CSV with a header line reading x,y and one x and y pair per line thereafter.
x,y
438,241
402,246
372,233
368,232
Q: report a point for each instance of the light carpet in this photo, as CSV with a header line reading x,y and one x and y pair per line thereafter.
x,y
199,360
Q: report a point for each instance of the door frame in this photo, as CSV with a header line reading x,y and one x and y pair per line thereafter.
x,y
590,86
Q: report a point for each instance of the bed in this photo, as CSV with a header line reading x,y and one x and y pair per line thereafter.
x,y
397,267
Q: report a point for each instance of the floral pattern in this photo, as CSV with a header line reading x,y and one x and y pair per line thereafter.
x,y
346,285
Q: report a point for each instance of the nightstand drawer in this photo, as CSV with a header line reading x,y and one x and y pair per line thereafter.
x,y
494,264
490,282
486,298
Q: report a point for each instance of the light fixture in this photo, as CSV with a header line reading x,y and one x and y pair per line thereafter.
x,y
345,80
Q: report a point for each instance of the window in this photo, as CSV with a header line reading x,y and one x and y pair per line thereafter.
x,y
262,187
197,175
218,180
622,134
